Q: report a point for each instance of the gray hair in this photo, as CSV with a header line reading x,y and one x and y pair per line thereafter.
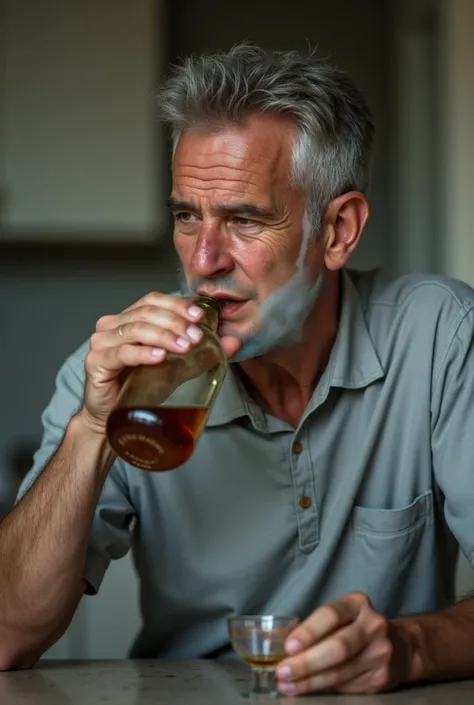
x,y
333,144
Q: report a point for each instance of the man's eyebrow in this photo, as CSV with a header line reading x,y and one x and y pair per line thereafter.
x,y
174,204
245,209
241,209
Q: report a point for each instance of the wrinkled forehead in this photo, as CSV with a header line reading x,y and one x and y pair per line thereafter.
x,y
259,152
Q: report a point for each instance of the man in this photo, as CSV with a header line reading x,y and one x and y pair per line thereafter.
x,y
333,480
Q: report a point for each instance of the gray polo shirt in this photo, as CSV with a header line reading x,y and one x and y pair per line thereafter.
x,y
371,492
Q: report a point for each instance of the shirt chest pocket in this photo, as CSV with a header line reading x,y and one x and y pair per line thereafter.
x,y
392,550
387,523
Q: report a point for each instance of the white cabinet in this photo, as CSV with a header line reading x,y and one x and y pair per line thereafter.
x,y
81,146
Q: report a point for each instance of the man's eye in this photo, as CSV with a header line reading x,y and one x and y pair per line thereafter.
x,y
244,222
185,217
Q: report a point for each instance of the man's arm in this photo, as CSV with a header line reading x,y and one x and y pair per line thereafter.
x,y
43,544
348,647
439,644
54,537
444,639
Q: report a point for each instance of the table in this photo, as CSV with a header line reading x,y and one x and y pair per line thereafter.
x,y
156,682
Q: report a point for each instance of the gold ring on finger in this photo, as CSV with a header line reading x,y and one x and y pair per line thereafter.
x,y
120,331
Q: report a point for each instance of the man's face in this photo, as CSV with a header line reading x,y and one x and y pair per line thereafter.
x,y
239,229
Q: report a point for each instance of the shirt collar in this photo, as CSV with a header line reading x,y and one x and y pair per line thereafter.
x,y
353,364
233,402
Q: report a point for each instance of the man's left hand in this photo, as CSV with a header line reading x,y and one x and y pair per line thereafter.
x,y
345,647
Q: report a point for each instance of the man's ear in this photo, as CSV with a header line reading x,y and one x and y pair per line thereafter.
x,y
343,224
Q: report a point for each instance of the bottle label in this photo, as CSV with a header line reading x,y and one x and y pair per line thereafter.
x,y
136,460
141,438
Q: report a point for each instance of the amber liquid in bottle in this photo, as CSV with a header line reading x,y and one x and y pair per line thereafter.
x,y
167,441
162,409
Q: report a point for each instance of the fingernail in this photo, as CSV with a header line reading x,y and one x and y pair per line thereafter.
x,y
194,311
293,647
286,688
194,333
284,672
157,352
182,342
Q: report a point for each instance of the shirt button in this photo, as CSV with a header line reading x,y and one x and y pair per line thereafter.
x,y
297,447
305,502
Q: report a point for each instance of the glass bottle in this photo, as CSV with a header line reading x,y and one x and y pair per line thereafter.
x,y
162,409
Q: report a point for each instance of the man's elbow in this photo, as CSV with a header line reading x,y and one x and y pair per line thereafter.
x,y
13,659
20,651
7,660
22,646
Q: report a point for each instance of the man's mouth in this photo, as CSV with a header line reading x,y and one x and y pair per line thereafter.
x,y
230,305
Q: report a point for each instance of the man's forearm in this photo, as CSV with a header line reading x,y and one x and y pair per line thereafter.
x,y
43,543
439,644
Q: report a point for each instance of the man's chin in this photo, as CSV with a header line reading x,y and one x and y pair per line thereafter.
x,y
240,330
250,340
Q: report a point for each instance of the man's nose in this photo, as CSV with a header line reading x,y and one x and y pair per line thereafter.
x,y
211,256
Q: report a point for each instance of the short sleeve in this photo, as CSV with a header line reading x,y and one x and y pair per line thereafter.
x,y
453,432
110,533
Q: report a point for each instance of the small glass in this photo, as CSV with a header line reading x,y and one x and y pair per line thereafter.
x,y
260,641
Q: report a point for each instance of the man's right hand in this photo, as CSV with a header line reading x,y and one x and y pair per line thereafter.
x,y
142,334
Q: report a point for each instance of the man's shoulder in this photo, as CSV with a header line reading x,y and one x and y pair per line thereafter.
x,y
412,295
415,316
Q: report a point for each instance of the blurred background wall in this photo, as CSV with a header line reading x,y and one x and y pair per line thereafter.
x,y
84,179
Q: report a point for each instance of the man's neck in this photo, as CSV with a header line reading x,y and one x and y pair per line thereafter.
x,y
283,381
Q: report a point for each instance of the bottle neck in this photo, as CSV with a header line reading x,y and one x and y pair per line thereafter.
x,y
211,310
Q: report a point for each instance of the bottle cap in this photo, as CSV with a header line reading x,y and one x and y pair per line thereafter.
x,y
208,302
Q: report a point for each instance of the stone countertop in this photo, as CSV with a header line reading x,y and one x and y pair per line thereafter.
x,y
153,682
